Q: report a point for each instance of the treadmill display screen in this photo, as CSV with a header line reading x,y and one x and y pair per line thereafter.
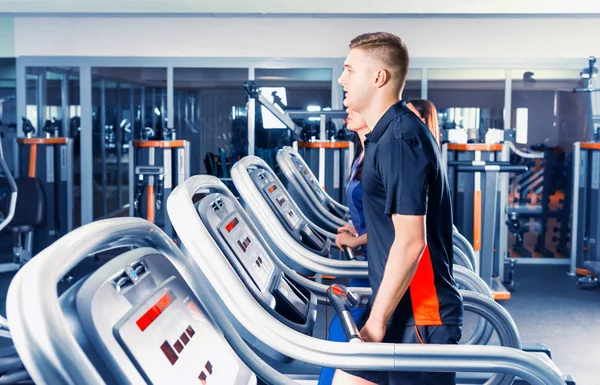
x,y
248,251
180,346
148,317
231,225
282,207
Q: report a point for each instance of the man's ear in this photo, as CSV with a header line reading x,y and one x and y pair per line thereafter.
x,y
382,77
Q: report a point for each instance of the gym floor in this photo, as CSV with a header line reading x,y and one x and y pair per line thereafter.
x,y
547,307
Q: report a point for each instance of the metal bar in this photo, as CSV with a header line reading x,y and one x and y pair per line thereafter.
x,y
544,261
477,227
21,83
132,112
244,62
169,117
486,262
424,83
152,110
66,116
575,208
132,178
87,149
41,101
103,145
163,102
340,114
69,165
337,97
285,119
119,143
143,110
251,107
322,136
504,181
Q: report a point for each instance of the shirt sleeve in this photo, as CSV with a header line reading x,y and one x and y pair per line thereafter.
x,y
405,173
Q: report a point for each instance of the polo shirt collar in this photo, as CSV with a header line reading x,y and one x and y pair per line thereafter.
x,y
383,123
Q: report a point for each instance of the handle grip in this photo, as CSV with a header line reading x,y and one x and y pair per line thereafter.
x,y
342,300
349,253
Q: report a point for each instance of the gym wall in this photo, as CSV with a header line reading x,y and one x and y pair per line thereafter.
x,y
278,37
7,46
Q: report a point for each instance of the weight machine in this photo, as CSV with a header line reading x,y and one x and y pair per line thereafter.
x,y
329,160
156,167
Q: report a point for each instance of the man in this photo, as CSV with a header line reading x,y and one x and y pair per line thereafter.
x,y
408,214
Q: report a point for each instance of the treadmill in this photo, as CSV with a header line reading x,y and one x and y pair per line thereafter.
x,y
198,239
269,202
243,247
300,243
304,187
141,318
324,211
272,209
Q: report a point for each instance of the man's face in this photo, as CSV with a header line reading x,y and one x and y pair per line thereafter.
x,y
358,79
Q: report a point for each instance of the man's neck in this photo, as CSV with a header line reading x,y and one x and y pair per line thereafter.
x,y
376,110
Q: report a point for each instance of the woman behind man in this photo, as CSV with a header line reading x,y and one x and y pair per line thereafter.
x,y
355,235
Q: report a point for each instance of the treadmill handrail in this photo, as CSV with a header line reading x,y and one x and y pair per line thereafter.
x,y
338,295
277,232
47,347
251,317
284,161
13,190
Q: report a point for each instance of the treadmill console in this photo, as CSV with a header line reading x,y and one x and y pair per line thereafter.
x,y
149,319
288,213
222,216
282,205
312,182
303,170
253,263
173,342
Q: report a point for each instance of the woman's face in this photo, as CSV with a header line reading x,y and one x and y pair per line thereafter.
x,y
413,109
354,121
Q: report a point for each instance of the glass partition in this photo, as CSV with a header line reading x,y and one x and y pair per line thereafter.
x,y
412,88
127,103
210,112
53,109
468,99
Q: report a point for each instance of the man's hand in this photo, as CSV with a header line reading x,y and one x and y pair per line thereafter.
x,y
373,331
348,228
345,239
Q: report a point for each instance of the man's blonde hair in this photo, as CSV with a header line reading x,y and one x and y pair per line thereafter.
x,y
390,50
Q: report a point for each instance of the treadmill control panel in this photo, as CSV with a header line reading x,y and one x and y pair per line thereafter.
x,y
312,182
223,217
288,213
148,326
286,210
248,250
329,205
171,340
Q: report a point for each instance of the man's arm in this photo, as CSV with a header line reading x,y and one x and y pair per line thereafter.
x,y
405,253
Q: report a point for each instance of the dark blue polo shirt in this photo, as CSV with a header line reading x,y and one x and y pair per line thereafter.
x,y
403,174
